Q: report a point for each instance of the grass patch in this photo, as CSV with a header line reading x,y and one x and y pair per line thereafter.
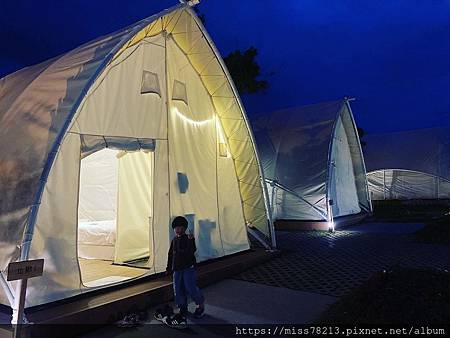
x,y
399,296
436,232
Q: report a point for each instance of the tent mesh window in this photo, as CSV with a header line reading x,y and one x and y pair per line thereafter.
x,y
150,83
179,91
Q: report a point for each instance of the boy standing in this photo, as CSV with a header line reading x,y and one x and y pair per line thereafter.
x,y
181,262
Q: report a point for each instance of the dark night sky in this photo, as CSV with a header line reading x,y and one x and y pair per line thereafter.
x,y
393,55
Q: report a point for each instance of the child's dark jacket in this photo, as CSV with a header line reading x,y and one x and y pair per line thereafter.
x,y
181,253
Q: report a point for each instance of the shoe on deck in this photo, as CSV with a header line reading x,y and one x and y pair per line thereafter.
x,y
129,320
162,313
199,312
177,321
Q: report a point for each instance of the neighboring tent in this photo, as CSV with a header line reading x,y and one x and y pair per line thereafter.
x,y
312,158
158,94
413,164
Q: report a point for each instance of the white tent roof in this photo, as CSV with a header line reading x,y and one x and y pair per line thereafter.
x,y
299,149
423,150
55,113
413,164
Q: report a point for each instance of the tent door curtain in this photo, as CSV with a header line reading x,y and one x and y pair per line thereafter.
x,y
115,210
134,208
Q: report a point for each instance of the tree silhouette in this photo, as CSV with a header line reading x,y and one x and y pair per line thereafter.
x,y
242,66
245,71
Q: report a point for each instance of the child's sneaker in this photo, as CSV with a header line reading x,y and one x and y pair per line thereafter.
x,y
162,313
177,321
199,312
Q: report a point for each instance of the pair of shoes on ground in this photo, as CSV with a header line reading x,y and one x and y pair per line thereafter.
x,y
167,316
132,319
178,321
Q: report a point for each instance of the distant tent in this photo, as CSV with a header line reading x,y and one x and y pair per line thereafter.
x,y
312,158
413,164
123,134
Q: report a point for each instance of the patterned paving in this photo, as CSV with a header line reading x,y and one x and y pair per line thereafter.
x,y
333,264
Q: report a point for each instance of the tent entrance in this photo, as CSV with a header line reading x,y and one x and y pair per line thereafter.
x,y
115,216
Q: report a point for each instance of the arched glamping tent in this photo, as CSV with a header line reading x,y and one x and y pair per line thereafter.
x,y
312,162
101,147
408,165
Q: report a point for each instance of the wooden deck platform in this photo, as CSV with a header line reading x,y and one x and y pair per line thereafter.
x,y
110,304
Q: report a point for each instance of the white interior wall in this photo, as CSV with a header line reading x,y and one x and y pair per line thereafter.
x,y
98,186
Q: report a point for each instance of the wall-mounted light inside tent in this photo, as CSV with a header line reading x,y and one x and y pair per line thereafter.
x,y
330,216
191,3
189,120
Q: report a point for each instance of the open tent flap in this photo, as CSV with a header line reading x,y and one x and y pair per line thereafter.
x,y
134,207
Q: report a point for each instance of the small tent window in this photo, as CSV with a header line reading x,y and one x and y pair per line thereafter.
x,y
179,91
150,83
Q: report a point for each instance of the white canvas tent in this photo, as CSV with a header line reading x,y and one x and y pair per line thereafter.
x,y
158,96
312,155
413,164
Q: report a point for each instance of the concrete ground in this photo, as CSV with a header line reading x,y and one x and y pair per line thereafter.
x,y
335,263
236,302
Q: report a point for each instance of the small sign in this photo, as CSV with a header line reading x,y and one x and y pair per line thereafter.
x,y
25,269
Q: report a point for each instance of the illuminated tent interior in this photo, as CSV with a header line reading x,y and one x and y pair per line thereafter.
x,y
102,146
312,162
408,165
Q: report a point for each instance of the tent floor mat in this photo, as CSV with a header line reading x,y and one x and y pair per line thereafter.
x,y
137,263
93,270
110,304
340,222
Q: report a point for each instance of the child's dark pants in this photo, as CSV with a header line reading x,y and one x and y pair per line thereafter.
x,y
184,284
